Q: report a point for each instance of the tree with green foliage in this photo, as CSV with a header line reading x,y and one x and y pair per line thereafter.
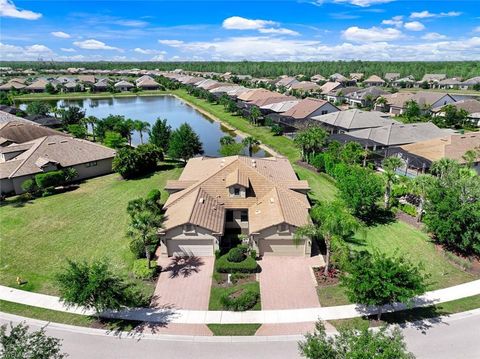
x,y
160,134
37,108
71,115
276,129
412,111
94,286
92,121
310,141
378,279
50,89
184,143
114,140
18,342
132,162
227,140
452,117
232,149
255,115
330,220
390,166
250,142
361,189
77,130
420,186
353,344
452,208
353,153
6,98
141,127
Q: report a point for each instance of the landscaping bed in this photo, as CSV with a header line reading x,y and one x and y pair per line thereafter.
x,y
332,278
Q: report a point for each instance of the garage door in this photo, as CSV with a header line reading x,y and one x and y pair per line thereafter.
x,y
281,248
191,247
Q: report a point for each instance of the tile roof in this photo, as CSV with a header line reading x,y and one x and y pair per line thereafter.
x,y
203,203
355,119
375,79
471,106
330,86
24,131
304,108
280,106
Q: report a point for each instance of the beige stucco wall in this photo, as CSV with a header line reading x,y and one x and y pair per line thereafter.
x,y
272,233
178,233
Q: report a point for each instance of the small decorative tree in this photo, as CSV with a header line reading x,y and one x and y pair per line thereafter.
x,y
377,279
390,166
184,143
160,134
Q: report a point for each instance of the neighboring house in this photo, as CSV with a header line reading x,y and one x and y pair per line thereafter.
x,y
271,100
318,78
299,116
286,82
256,94
37,86
364,97
468,84
19,130
420,155
101,85
405,82
328,87
72,86
396,103
12,84
217,198
278,107
21,161
357,76
340,94
472,107
431,79
86,79
396,134
336,77
124,85
147,83
374,80
352,120
305,86
11,110
391,76
449,83
47,121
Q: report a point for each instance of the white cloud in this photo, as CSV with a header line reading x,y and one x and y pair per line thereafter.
x,y
148,51
130,23
426,14
396,21
8,9
434,36
64,49
160,57
477,29
264,48
373,34
92,44
263,26
61,34
32,52
414,26
172,43
363,3
241,23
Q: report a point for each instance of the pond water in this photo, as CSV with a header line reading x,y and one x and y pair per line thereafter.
x,y
149,108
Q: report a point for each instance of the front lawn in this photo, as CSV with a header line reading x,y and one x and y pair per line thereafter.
x,y
87,223
217,292
233,329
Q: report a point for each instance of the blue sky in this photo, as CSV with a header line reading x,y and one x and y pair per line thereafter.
x,y
285,30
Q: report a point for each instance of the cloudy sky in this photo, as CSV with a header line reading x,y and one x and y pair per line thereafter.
x,y
285,30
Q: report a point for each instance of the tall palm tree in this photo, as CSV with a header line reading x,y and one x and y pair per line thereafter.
x,y
250,142
141,127
420,185
390,166
255,115
129,125
330,220
92,121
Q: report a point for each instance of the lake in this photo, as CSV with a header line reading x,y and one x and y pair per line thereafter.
x,y
149,108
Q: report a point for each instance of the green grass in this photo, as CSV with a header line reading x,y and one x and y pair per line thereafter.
x,y
79,95
322,186
414,314
332,295
87,223
217,292
233,329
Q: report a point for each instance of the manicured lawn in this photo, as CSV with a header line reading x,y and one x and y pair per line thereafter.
x,y
322,186
87,223
217,292
233,329
332,295
415,314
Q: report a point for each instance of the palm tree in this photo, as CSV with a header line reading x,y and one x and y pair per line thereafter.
x,y
255,114
227,140
330,220
443,167
470,156
420,185
92,121
129,126
390,165
141,127
250,142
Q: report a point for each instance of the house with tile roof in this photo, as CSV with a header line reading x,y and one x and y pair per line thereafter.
x,y
215,198
374,80
124,85
352,120
299,116
396,103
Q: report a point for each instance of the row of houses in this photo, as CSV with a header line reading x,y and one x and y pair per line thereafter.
x,y
28,149
79,83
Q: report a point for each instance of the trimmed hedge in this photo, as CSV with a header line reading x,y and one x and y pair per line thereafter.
x,y
244,301
50,179
248,265
141,271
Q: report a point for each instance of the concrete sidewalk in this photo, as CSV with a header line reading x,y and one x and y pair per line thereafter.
x,y
223,317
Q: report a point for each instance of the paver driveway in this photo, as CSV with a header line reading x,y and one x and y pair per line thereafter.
x,y
287,282
184,284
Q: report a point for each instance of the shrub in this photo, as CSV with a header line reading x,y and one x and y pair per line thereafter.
x,y
141,271
217,253
132,162
340,257
48,191
154,195
318,161
246,300
29,186
138,249
235,277
49,179
253,254
236,255
248,265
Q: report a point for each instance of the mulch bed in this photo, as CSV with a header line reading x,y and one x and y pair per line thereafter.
x,y
307,166
322,280
474,261
251,277
412,221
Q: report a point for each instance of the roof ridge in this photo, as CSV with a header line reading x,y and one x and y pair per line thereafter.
x,y
32,149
